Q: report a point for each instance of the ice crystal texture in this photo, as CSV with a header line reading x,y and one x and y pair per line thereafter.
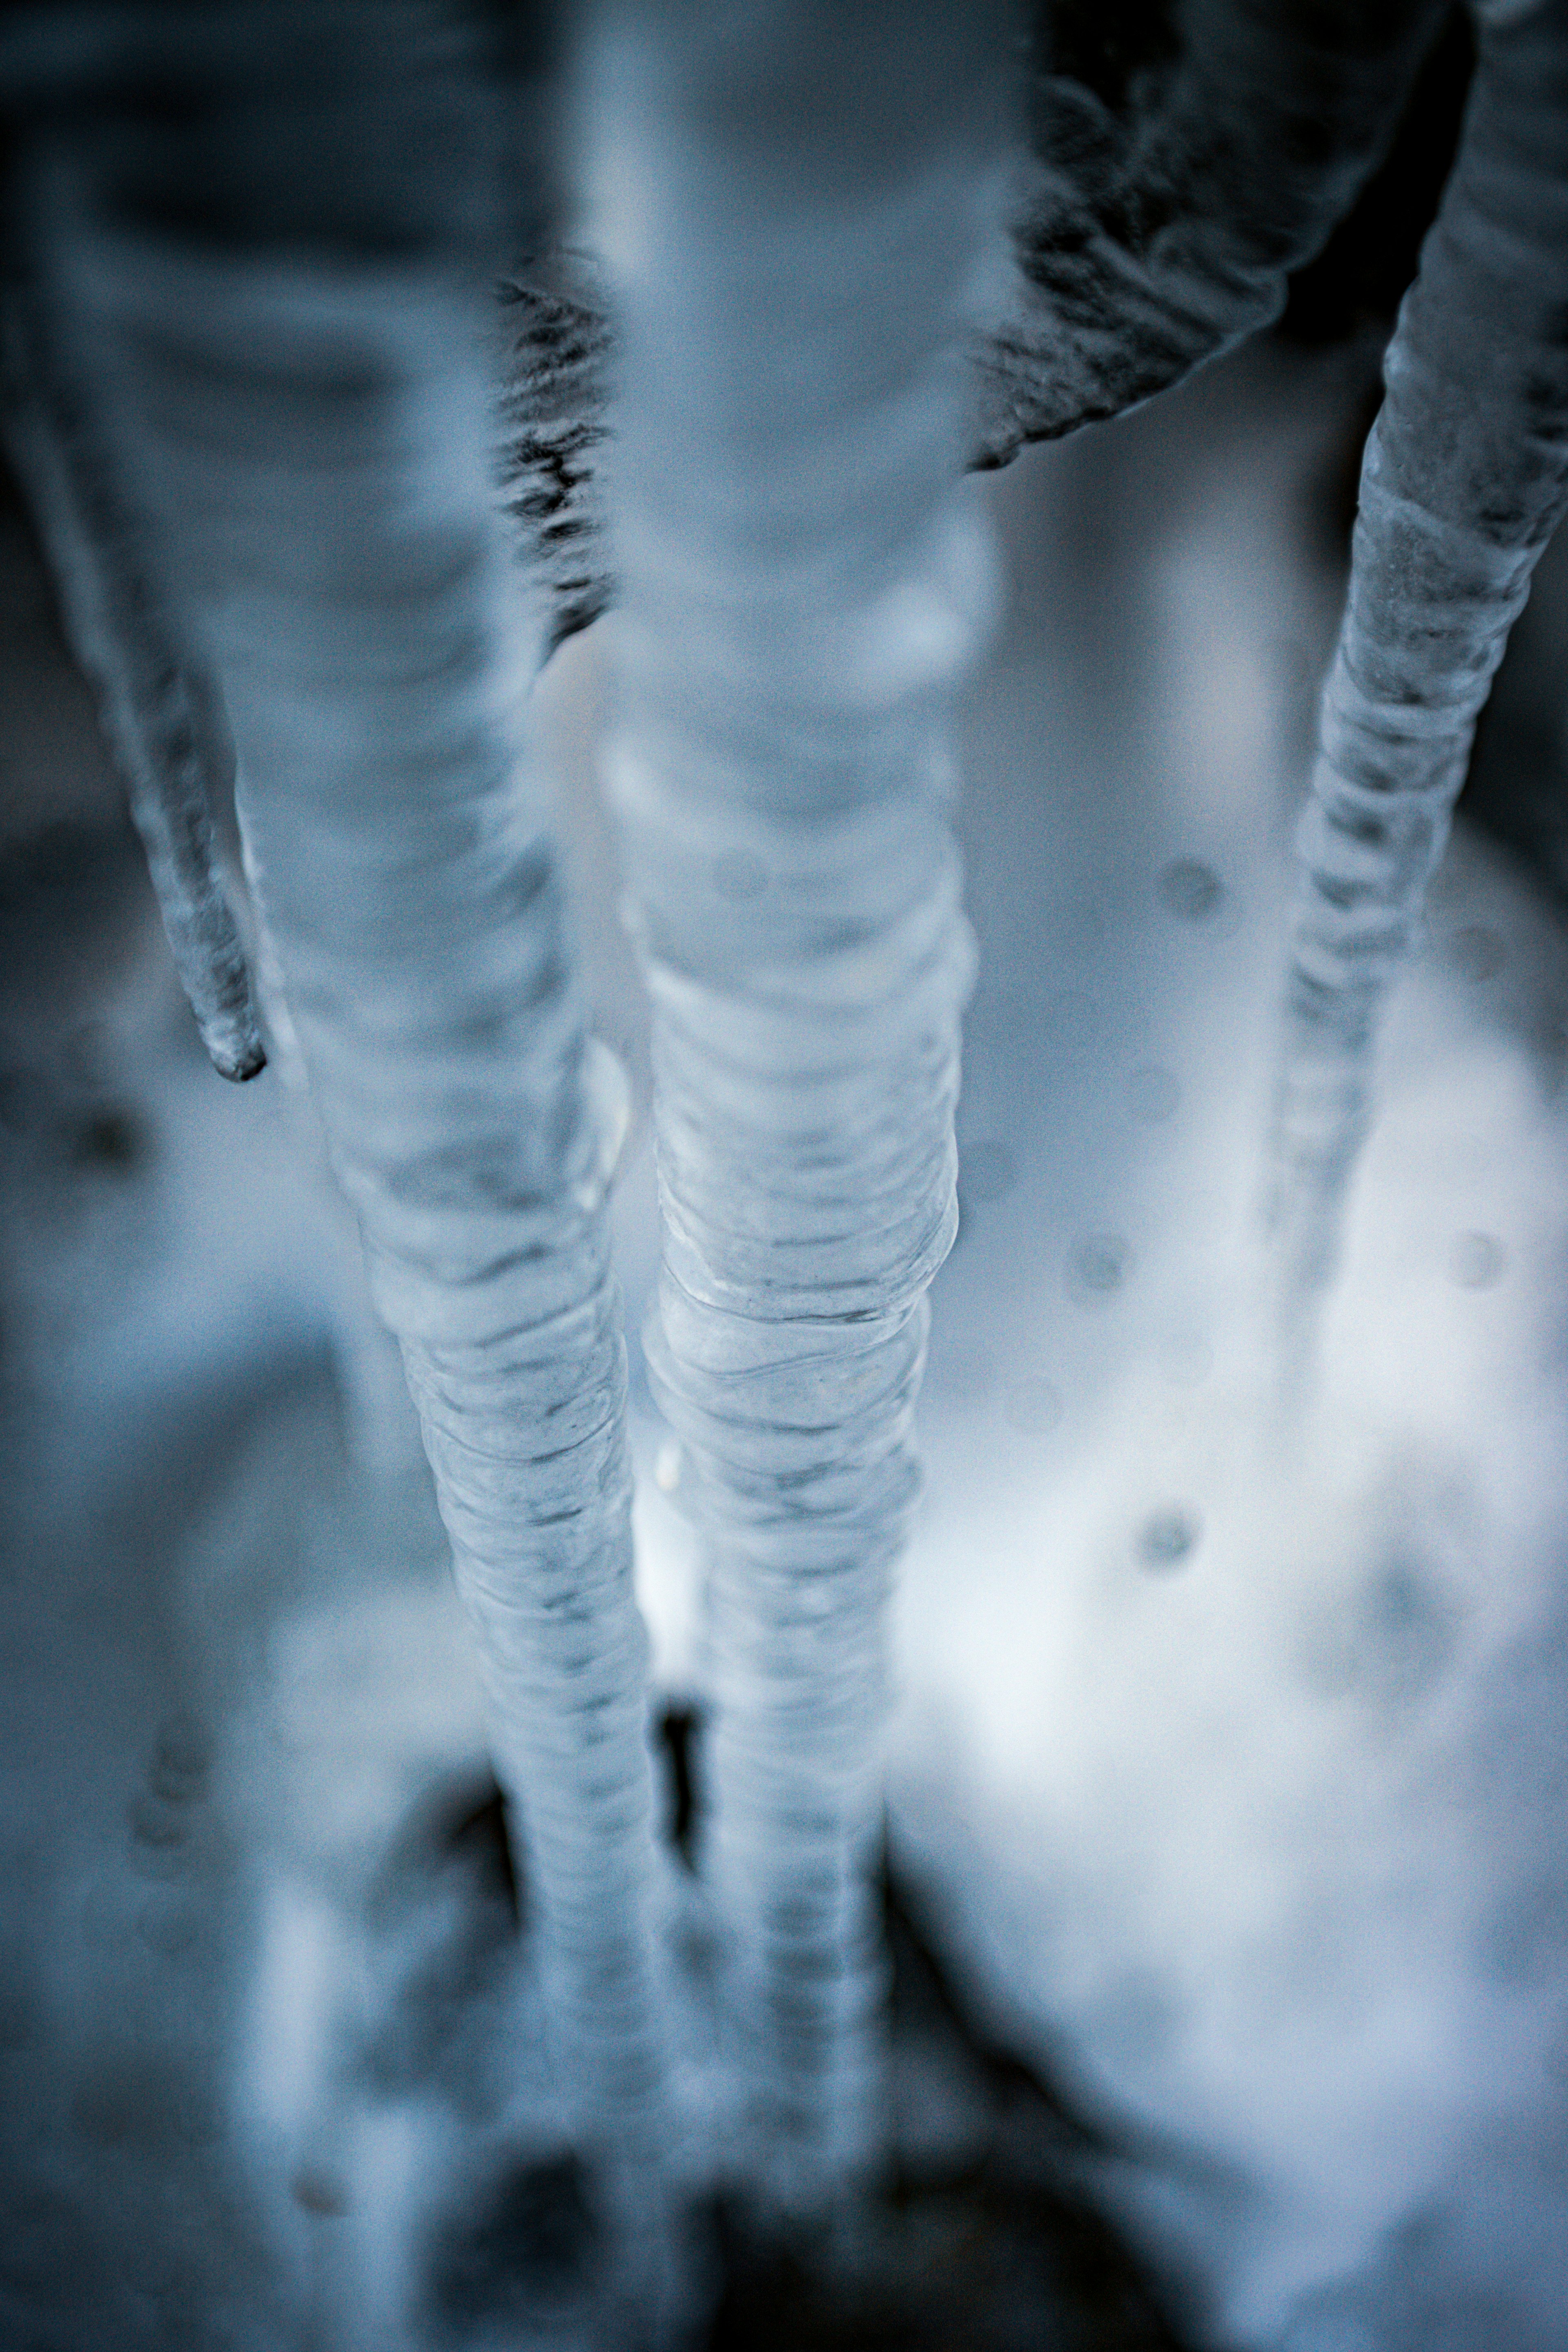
x,y
1180,163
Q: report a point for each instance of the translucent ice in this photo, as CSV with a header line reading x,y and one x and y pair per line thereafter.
x,y
159,723
311,426
1464,479
794,218
1180,162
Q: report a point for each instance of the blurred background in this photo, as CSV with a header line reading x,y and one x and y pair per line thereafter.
x,y
1230,1777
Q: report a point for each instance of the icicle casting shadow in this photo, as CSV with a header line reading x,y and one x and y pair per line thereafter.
x,y
272,427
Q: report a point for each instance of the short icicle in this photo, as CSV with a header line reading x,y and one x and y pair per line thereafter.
x,y
318,433
794,213
1464,480
160,724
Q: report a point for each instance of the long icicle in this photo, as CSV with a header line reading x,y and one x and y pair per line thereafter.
x,y
158,722
317,439
1464,480
794,215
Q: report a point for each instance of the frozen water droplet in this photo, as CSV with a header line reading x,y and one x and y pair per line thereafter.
x,y
1477,1260
113,1140
1097,1266
1033,1408
986,1170
1153,1093
1191,890
1169,1536
181,1759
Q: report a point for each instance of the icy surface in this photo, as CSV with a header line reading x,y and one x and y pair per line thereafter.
x,y
1168,171
342,554
555,410
1181,160
1240,1768
801,589
1465,478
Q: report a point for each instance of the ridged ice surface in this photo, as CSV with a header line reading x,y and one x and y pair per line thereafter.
x,y
1170,167
1465,478
802,586
1181,160
317,440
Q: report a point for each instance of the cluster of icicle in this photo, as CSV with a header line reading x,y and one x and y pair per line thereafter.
x,y
259,412
1464,479
309,426
304,428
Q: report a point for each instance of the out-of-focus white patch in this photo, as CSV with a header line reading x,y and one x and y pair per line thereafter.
x,y
1216,1728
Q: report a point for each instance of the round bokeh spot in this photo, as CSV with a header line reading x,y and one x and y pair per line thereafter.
x,y
1168,1536
1191,890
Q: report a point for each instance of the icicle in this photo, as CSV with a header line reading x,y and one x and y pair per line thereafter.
x,y
794,213
1465,477
316,439
161,728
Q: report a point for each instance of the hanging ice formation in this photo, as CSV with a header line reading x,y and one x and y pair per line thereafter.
x,y
793,225
291,471
556,411
159,721
305,399
1464,479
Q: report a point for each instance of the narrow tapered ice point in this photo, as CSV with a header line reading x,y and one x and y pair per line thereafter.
x,y
796,214
316,436
1464,480
160,724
